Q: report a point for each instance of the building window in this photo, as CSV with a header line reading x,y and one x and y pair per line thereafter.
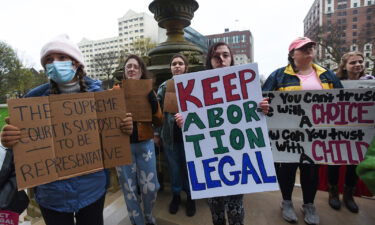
x,y
355,11
367,54
354,34
355,5
354,26
328,1
329,9
355,19
367,64
368,17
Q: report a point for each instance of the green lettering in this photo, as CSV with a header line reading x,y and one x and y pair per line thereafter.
x,y
234,135
255,139
193,118
195,139
234,109
250,109
220,147
214,117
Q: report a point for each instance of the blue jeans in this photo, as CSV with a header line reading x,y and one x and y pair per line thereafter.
x,y
139,183
177,168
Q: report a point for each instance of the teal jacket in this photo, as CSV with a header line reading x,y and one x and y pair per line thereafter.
x,y
285,79
366,169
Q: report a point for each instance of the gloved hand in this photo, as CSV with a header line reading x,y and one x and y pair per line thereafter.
x,y
153,101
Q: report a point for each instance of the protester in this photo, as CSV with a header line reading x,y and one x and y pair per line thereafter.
x,y
351,68
12,201
300,74
77,200
220,55
173,145
366,169
139,180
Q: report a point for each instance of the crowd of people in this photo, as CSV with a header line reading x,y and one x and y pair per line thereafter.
x,y
80,200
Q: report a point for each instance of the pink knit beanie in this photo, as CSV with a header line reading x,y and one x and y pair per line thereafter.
x,y
62,44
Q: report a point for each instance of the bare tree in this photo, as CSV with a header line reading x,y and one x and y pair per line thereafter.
x,y
141,46
366,38
332,43
106,63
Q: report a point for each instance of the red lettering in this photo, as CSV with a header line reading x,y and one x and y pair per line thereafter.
x,y
208,91
361,111
341,113
314,152
336,145
358,146
244,81
229,88
184,95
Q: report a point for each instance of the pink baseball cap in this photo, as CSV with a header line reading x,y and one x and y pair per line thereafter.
x,y
300,42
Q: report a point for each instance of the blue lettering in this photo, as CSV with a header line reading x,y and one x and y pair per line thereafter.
x,y
196,186
236,174
263,172
207,173
247,169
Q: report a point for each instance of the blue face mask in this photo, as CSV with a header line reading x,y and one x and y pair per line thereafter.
x,y
61,71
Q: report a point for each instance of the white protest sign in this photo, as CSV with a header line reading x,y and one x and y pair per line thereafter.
x,y
226,139
358,83
322,126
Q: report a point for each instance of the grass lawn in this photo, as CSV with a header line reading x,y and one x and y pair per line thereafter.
x,y
3,115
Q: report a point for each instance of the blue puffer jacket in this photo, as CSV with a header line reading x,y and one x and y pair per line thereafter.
x,y
285,79
75,193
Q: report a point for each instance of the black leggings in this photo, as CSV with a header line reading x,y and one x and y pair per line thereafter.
x,y
89,215
351,177
309,176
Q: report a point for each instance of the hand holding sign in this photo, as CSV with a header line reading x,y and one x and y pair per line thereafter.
x,y
10,136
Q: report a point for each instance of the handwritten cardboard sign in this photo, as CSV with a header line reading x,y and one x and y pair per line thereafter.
x,y
68,135
8,218
137,103
170,98
226,139
323,126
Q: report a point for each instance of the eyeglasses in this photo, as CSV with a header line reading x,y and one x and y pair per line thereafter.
x,y
130,65
355,62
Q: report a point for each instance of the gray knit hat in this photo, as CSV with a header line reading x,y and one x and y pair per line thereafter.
x,y
62,44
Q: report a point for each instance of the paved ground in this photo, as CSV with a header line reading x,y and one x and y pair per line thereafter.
x,y
261,209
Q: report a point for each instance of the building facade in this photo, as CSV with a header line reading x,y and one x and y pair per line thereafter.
x,y
241,43
341,26
102,56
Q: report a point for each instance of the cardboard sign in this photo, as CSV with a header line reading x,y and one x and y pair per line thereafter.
x,y
322,126
8,218
68,135
225,137
170,98
137,103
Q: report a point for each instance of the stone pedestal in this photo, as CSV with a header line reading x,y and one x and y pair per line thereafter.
x,y
174,16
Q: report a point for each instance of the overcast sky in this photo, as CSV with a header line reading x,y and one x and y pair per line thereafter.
x,y
27,25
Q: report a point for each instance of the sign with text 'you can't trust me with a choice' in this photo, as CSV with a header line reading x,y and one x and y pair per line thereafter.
x,y
225,137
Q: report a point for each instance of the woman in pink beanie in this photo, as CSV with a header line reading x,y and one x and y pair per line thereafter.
x,y
77,200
